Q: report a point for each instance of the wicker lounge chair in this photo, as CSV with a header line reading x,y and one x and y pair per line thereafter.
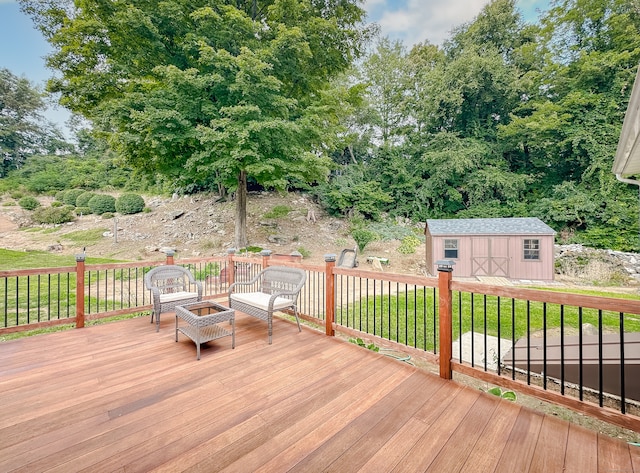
x,y
274,288
171,286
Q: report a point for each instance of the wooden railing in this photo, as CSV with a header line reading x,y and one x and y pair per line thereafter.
x,y
463,327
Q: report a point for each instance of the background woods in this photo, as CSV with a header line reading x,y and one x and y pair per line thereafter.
x,y
505,118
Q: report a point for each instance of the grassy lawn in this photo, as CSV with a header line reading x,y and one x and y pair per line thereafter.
x,y
11,259
36,298
410,318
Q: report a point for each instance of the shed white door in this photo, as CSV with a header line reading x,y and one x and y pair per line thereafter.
x,y
490,256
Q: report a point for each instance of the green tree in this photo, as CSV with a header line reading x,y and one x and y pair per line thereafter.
x,y
384,73
207,92
23,130
565,130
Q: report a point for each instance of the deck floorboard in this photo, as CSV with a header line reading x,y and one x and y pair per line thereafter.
x,y
122,397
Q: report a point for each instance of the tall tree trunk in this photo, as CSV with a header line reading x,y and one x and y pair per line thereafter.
x,y
241,211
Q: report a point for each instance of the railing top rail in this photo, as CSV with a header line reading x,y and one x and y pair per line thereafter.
x,y
562,298
139,264
247,259
307,267
36,271
390,277
204,259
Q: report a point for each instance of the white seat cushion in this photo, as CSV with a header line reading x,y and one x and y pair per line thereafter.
x,y
261,300
176,296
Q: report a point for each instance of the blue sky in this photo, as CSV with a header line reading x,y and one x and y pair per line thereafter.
x,y
22,48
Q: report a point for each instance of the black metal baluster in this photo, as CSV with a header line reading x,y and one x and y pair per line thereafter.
x,y
562,349
486,350
435,330
106,290
28,299
415,315
88,299
6,302
528,342
68,295
499,338
623,402
97,291
460,325
580,342
424,319
38,296
473,306
513,339
17,300
600,365
58,304
544,345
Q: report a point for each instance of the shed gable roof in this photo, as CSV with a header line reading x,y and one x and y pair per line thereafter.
x,y
489,226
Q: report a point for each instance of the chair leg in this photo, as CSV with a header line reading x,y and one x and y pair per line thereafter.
x,y
270,327
295,312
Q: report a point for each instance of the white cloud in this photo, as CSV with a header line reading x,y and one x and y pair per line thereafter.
x,y
420,20
414,21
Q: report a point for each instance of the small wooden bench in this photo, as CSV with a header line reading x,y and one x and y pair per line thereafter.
x,y
171,286
274,288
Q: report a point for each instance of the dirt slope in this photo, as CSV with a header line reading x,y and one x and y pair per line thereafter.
x,y
199,226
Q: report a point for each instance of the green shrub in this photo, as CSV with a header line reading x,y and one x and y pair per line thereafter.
x,y
363,236
59,196
304,252
108,215
54,215
128,204
83,199
102,203
45,183
278,211
71,195
209,269
409,245
83,210
29,202
55,203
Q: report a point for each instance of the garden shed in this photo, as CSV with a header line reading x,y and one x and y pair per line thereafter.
x,y
517,248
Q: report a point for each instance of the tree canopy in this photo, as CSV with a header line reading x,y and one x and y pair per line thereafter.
x,y
23,130
506,119
207,92
503,119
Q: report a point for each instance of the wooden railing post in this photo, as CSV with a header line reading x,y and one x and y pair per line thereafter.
x,y
80,290
266,254
231,268
330,263
170,254
445,315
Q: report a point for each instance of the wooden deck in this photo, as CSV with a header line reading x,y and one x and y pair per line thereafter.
x,y
121,397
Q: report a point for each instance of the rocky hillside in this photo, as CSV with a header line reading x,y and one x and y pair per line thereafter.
x,y
200,225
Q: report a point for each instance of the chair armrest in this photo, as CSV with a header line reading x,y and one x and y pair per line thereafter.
x,y
245,283
155,292
274,296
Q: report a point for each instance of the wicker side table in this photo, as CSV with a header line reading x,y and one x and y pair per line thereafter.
x,y
202,319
